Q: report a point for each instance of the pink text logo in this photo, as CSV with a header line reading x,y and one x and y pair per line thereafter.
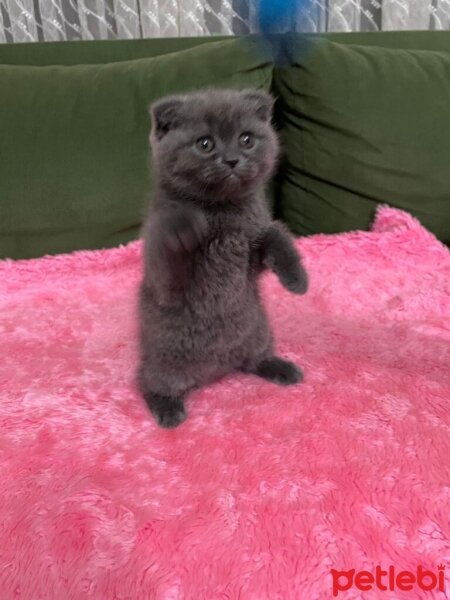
x,y
388,580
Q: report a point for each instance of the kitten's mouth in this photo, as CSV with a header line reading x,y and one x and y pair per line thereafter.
x,y
231,177
231,181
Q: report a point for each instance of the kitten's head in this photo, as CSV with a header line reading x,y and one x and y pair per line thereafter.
x,y
216,145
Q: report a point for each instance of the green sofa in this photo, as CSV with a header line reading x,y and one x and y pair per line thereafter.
x,y
363,119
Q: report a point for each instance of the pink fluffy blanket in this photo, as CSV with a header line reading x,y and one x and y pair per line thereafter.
x,y
264,493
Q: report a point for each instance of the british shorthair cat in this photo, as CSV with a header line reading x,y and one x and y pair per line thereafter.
x,y
207,238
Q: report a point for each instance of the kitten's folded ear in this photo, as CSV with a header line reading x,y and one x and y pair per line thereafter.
x,y
165,115
261,102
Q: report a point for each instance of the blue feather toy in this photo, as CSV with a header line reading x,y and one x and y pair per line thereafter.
x,y
276,15
279,16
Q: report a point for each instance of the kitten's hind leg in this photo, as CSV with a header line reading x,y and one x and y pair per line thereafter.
x,y
167,403
260,359
278,370
169,411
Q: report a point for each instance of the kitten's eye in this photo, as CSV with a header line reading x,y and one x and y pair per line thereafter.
x,y
247,140
205,144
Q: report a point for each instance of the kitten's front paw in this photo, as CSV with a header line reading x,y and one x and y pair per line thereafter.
x,y
184,231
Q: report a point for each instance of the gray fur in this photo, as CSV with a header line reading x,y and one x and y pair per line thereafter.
x,y
207,238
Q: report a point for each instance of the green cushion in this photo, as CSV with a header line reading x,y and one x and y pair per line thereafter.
x,y
408,40
95,51
73,142
361,126
105,51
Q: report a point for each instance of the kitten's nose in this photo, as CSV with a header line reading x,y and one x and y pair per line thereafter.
x,y
231,162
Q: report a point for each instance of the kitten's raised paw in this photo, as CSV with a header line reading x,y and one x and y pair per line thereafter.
x,y
184,231
279,371
296,282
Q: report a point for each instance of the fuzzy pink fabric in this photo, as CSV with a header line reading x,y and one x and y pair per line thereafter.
x,y
264,489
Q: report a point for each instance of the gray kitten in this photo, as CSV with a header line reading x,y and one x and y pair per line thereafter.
x,y
207,237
